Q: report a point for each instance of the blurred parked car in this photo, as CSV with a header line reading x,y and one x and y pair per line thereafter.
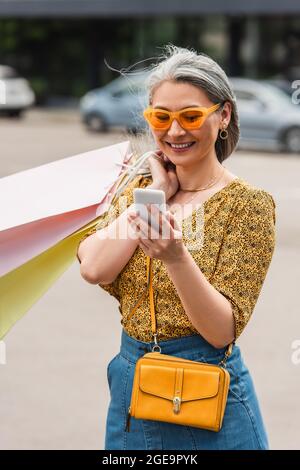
x,y
268,118
119,103
15,92
290,88
282,84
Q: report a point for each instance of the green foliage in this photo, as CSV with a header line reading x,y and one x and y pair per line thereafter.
x,y
66,57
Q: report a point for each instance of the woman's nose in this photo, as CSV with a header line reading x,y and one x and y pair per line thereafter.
x,y
175,129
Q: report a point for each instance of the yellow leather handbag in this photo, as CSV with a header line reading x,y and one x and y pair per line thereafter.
x,y
176,390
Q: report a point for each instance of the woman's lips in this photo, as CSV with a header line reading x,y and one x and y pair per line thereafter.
x,y
180,147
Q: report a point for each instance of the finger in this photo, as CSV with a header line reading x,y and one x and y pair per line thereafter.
x,y
161,221
160,158
156,157
177,232
171,223
133,213
146,229
166,229
155,220
144,242
174,222
156,212
146,249
166,219
171,171
136,226
157,216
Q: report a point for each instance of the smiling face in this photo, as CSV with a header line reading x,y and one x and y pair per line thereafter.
x,y
175,96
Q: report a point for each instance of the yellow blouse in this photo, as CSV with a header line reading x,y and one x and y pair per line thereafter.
x,y
238,240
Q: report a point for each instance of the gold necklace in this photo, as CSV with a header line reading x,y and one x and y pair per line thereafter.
x,y
211,183
215,181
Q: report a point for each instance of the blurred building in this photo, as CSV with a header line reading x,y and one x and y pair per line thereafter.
x,y
60,45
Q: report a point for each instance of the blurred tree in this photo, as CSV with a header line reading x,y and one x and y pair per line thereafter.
x,y
236,28
66,56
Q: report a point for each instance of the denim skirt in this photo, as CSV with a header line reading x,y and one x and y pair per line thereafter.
x,y
242,428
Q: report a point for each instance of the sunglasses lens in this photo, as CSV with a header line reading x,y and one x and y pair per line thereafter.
x,y
159,119
192,118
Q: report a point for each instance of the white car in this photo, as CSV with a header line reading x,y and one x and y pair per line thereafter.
x,y
16,94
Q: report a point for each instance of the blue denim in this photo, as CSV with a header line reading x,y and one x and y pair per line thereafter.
x,y
242,428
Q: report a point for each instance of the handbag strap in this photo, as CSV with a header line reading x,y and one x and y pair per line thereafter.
x,y
152,312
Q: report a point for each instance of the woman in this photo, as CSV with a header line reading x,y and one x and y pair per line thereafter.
x,y
204,293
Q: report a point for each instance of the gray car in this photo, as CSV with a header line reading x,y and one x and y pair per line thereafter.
x,y
120,103
268,118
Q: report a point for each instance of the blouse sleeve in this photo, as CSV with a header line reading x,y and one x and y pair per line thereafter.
x,y
120,204
246,254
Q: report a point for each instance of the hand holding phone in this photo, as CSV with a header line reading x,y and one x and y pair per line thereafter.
x,y
144,196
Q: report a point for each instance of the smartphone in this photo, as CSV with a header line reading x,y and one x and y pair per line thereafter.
x,y
143,196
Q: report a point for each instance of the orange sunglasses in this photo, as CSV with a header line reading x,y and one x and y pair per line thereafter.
x,y
189,118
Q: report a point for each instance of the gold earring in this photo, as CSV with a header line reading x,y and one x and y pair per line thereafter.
x,y
223,133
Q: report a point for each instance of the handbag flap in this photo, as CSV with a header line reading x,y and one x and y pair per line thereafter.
x,y
197,383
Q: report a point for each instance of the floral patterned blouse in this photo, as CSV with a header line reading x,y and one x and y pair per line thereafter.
x,y
231,237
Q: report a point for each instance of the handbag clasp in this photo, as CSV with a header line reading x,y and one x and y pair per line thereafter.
x,y
176,404
156,347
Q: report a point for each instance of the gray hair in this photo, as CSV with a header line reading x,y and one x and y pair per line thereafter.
x,y
185,65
